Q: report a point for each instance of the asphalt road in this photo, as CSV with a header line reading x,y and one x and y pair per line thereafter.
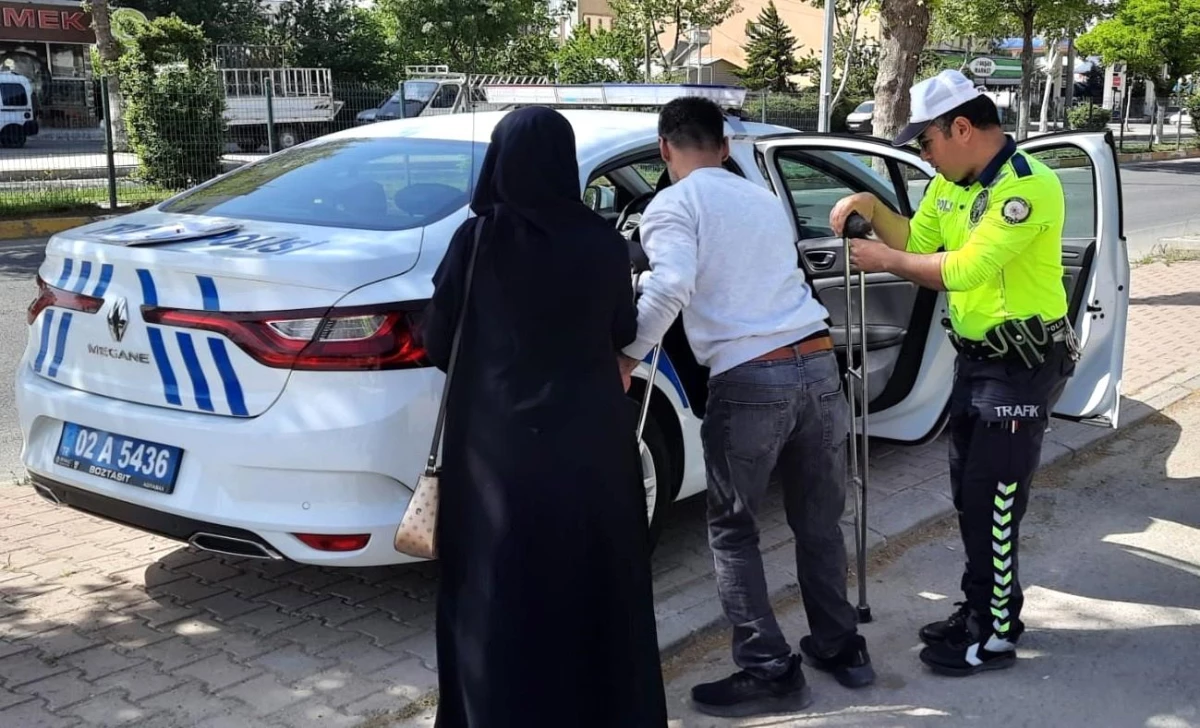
x,y
19,262
1161,200
1110,563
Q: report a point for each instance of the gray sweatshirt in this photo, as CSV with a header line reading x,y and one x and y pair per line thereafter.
x,y
722,251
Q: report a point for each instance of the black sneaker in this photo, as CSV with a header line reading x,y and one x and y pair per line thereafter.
x,y
953,629
742,694
970,656
851,666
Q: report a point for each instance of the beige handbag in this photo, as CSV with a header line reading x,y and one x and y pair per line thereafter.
x,y
417,533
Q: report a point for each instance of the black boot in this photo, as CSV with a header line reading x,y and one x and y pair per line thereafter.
x,y
742,694
851,666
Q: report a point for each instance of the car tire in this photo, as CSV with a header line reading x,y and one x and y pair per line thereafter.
x,y
659,483
12,137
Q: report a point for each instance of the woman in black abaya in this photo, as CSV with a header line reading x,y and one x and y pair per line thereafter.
x,y
545,613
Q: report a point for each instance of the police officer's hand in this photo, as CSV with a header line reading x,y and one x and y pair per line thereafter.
x,y
627,365
863,203
870,256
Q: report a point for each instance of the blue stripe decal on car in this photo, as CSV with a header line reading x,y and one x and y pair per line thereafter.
x,y
195,371
68,266
149,293
47,322
208,289
60,346
668,369
233,388
170,386
85,272
101,288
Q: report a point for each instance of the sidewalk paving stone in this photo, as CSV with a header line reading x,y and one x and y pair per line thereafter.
x,y
104,625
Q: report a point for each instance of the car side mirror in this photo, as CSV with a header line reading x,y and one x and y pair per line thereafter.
x,y
592,197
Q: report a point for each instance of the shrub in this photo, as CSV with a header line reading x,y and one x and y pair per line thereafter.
x,y
1086,117
174,103
1192,106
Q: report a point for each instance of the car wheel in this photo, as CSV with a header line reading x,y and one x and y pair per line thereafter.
x,y
287,138
657,477
13,137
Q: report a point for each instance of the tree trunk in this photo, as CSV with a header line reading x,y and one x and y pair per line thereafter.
x,y
849,59
1053,72
903,29
1026,75
110,52
1070,98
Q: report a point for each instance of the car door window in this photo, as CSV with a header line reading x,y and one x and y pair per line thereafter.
x,y
816,179
1074,169
445,97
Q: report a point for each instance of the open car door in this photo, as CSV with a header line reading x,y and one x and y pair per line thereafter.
x,y
1096,268
910,361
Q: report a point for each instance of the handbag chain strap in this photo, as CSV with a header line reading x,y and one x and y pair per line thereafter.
x,y
431,465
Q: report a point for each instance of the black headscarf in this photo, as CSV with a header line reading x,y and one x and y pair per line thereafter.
x,y
531,173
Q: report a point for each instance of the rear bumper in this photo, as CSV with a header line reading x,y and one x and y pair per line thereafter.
x,y
336,454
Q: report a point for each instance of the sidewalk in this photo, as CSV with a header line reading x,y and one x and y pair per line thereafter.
x,y
102,625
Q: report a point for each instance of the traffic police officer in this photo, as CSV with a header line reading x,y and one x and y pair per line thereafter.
x,y
989,233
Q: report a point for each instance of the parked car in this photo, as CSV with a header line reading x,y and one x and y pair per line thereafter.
x,y
236,367
17,122
861,120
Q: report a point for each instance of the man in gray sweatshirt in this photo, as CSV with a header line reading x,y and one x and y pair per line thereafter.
x,y
722,253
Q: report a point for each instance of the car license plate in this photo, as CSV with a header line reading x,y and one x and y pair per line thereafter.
x,y
118,458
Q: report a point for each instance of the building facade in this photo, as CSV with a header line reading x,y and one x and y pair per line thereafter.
x,y
49,42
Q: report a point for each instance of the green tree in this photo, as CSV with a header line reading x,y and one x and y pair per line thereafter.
x,y
174,106
650,20
339,35
467,35
771,53
602,55
222,21
1150,36
1057,19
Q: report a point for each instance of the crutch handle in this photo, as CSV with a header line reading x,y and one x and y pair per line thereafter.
x,y
857,226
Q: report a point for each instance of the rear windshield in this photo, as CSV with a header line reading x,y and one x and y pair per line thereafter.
x,y
13,94
369,184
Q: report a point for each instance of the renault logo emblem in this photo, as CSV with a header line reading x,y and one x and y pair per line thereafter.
x,y
118,319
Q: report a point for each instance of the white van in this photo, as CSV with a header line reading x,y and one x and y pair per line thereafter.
x,y
16,110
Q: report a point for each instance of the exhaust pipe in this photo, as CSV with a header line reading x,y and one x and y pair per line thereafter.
x,y
230,546
47,494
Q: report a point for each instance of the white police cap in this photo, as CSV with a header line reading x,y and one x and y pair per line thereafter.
x,y
933,97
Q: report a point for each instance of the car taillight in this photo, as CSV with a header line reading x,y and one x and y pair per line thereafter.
x,y
337,339
49,296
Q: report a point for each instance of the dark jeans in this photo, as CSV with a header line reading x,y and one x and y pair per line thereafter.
x,y
785,420
998,415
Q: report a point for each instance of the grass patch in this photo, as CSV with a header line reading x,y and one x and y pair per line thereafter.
x,y
23,204
1167,254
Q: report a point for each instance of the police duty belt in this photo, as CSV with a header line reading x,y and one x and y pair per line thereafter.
x,y
1028,341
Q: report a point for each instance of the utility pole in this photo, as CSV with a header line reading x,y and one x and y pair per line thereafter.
x,y
824,111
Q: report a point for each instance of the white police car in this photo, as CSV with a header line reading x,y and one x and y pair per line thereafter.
x,y
236,367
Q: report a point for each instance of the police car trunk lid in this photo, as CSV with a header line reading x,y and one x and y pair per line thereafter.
x,y
206,315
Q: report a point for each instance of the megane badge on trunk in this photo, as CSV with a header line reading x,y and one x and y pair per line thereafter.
x,y
118,319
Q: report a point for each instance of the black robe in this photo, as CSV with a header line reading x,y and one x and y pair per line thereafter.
x,y
545,610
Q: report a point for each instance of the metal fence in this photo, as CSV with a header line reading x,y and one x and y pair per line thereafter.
x,y
93,165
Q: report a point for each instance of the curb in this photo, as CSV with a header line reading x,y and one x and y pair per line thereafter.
x,y
900,514
1133,157
41,227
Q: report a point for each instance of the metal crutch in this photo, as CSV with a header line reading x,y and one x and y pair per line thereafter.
x,y
858,227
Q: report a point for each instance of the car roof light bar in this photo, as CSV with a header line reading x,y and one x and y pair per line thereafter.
x,y
611,94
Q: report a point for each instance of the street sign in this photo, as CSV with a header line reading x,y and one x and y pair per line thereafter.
x,y
982,67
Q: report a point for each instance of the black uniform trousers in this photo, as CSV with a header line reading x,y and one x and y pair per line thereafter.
x,y
998,414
